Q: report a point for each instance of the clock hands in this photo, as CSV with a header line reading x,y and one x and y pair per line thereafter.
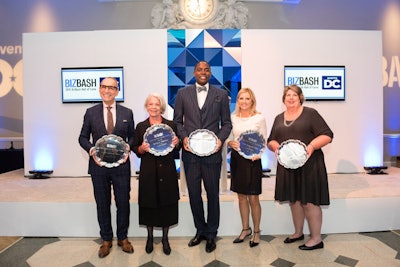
x,y
198,7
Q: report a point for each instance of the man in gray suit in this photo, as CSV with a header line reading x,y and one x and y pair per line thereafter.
x,y
203,106
96,124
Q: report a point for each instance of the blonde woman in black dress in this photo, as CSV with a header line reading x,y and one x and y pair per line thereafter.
x,y
246,174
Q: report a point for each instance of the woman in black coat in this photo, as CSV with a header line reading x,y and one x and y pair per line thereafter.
x,y
158,178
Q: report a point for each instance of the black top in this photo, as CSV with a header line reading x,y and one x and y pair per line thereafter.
x,y
158,178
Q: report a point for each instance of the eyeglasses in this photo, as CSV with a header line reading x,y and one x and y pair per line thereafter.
x,y
109,87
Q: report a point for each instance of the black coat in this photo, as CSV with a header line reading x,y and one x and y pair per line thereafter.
x,y
158,178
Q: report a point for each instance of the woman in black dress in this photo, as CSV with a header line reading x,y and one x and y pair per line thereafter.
x,y
306,188
158,179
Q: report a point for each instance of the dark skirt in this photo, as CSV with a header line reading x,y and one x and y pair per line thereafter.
x,y
246,175
307,184
159,217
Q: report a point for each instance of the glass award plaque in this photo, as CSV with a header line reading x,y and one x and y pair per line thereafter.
x,y
159,136
110,150
251,143
292,154
203,142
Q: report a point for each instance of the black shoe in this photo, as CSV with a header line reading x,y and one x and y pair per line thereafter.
x,y
239,240
196,240
165,246
317,246
251,242
149,245
289,240
211,245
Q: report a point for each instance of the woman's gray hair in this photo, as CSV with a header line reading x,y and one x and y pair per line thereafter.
x,y
160,98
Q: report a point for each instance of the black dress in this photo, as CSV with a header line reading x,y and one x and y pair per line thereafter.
x,y
158,183
246,175
309,183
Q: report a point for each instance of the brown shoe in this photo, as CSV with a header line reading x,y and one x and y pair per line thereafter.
x,y
105,249
125,245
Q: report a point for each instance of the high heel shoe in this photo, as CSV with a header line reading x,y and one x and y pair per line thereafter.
x,y
240,240
165,246
149,245
251,242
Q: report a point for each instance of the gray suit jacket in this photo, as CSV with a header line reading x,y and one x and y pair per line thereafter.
x,y
93,128
214,116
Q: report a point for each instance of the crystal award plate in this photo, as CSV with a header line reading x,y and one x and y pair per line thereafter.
x,y
251,143
110,150
203,142
159,136
292,154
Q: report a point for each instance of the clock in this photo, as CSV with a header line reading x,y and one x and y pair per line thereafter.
x,y
199,11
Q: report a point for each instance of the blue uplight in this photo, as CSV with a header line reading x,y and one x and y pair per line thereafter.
x,y
43,160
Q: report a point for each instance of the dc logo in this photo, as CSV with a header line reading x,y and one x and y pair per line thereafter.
x,y
331,82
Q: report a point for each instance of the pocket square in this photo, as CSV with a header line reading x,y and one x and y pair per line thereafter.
x,y
124,120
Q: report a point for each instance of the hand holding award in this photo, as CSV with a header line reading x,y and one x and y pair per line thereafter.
x,y
160,137
110,151
292,154
203,142
251,143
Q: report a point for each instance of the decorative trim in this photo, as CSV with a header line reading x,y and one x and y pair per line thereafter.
x,y
231,14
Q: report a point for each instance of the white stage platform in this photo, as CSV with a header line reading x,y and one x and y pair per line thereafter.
x,y
65,207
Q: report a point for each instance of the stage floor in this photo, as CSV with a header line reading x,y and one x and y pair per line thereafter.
x,y
17,188
55,206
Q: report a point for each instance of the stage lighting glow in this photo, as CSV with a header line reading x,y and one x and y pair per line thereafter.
x,y
43,160
372,156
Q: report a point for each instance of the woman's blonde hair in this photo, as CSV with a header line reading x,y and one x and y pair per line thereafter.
x,y
252,98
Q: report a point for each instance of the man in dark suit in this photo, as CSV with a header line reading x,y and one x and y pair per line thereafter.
x,y
203,106
96,124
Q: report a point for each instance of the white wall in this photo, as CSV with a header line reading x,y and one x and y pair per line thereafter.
x,y
357,123
51,129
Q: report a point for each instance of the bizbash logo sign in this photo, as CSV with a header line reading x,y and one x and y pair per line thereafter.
x,y
331,82
79,83
318,82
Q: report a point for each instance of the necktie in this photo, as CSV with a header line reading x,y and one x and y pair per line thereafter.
x,y
201,88
110,121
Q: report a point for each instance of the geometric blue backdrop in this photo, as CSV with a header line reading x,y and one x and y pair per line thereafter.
x,y
221,48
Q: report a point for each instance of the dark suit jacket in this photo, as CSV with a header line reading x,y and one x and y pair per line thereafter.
x,y
94,128
214,116
158,178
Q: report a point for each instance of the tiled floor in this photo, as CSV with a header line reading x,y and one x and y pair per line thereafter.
x,y
364,249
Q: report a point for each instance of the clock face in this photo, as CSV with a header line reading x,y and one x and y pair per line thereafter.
x,y
199,11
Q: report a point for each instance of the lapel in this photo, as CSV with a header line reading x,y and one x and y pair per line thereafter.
x,y
193,99
117,115
210,96
100,119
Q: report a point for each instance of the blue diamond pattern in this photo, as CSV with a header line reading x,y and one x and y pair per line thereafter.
x,y
221,48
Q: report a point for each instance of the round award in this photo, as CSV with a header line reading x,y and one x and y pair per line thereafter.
x,y
159,136
251,143
203,142
110,150
292,154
